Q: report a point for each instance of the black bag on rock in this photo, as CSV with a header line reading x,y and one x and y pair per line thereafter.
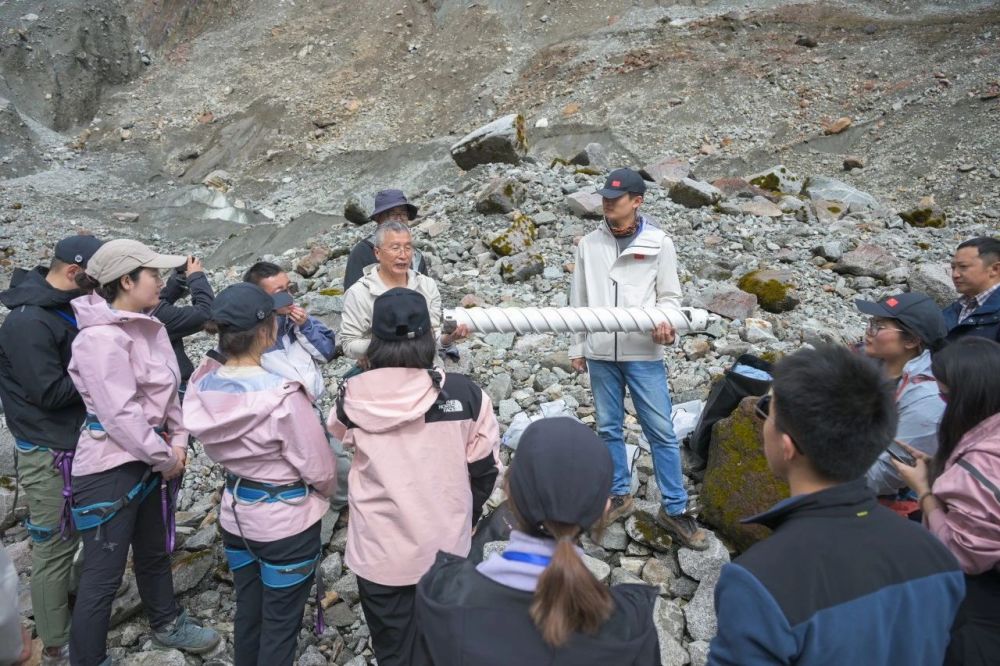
x,y
725,396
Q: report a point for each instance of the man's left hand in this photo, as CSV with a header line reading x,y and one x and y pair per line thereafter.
x,y
460,333
297,314
664,334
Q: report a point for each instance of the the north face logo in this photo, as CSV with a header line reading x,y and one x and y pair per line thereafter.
x,y
451,406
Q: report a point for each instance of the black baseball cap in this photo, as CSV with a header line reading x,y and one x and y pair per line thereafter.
x,y
240,307
916,312
400,314
77,249
621,182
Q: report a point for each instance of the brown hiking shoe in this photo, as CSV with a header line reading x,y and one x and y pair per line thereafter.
x,y
621,506
685,528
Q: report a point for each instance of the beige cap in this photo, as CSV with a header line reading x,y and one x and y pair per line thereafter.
x,y
120,257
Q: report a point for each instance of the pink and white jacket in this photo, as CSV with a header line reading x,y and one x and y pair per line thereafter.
x,y
125,370
425,461
971,525
262,427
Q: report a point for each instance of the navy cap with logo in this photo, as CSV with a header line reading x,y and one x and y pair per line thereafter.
x,y
400,314
77,249
242,306
621,182
916,312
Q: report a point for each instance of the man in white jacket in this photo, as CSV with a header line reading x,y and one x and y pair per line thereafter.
x,y
629,262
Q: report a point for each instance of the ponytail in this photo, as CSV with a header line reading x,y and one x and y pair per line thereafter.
x,y
108,292
568,598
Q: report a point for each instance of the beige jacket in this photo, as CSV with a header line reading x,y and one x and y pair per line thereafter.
x,y
643,275
356,327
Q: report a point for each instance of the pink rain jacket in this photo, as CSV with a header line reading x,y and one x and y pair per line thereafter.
x,y
971,525
409,490
262,427
125,370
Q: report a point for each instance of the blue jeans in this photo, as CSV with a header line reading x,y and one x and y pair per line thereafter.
x,y
647,382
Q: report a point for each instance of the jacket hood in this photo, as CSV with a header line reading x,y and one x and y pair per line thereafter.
x,y
919,366
93,310
984,438
30,288
216,417
381,400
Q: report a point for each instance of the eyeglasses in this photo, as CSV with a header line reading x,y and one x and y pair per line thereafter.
x,y
397,249
763,410
874,328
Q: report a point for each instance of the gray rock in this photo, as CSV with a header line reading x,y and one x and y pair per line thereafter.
x,y
585,204
203,538
593,155
190,567
704,564
311,656
508,408
694,193
499,340
600,569
835,191
633,565
898,275
500,388
8,515
521,267
501,195
683,587
727,301
777,179
20,555
698,650
830,250
347,588
332,568
502,140
545,218
641,527
340,615
326,529
6,450
355,211
673,652
155,658
934,280
669,618
666,171
620,576
868,260
700,611
614,537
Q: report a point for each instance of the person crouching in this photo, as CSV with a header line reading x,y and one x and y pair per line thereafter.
x,y
426,459
279,473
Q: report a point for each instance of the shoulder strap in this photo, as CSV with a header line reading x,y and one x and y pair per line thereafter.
x,y
69,318
980,477
339,404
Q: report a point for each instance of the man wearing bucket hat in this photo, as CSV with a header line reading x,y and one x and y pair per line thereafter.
x,y
389,205
44,413
904,330
627,261
537,603
131,450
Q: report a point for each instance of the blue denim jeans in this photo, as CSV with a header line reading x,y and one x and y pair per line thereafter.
x,y
647,382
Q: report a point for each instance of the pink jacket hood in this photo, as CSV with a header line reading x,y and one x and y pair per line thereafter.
x,y
381,400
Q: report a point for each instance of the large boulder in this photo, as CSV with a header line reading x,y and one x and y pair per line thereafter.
x,y
593,155
867,260
738,482
694,193
500,195
928,278
585,204
517,238
838,192
502,140
521,267
774,290
778,179
726,300
666,171
925,214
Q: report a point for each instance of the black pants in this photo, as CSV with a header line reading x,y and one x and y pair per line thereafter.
x,y
975,636
389,614
105,554
268,619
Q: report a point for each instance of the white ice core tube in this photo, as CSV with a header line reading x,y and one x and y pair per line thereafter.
x,y
575,320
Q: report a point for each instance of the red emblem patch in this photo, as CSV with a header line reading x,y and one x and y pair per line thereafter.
x,y
892,302
616,183
639,257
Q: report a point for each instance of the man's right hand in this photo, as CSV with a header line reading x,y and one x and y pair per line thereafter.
x,y
194,266
579,364
181,453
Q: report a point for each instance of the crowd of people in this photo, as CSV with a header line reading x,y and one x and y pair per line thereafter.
x,y
887,550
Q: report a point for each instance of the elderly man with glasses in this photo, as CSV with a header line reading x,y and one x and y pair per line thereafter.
x,y
390,205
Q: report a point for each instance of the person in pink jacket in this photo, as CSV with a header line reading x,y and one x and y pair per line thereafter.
x,y
131,452
425,461
959,490
280,473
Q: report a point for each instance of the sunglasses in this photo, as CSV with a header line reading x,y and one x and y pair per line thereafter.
x,y
763,410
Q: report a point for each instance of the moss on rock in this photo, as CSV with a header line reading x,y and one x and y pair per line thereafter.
x,y
932,217
771,291
520,236
738,482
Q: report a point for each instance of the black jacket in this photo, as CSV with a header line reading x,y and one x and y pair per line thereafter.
x,y
465,619
363,255
182,321
41,403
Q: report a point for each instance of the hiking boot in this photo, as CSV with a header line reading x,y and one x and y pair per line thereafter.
x,y
185,634
55,656
621,506
684,528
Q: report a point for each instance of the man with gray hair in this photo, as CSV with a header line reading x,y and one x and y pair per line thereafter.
x,y
393,245
389,205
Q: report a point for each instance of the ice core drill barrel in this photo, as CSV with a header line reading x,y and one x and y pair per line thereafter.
x,y
575,320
